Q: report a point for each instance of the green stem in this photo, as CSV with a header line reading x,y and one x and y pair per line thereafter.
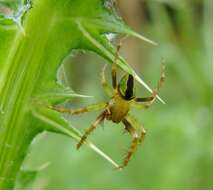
x,y
16,133
51,30
26,63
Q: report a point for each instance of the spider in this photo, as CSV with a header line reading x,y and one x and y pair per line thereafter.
x,y
122,98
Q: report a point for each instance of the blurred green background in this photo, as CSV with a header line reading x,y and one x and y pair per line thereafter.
x,y
178,149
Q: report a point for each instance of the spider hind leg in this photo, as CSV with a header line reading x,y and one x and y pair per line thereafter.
x,y
136,140
107,88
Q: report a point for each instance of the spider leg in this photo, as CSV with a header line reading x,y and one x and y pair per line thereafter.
x,y
114,65
136,138
114,68
148,101
107,88
94,125
142,103
93,107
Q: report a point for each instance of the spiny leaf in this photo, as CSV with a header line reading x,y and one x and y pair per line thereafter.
x,y
27,177
52,121
31,55
104,48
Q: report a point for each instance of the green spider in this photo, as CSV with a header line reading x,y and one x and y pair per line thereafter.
x,y
117,108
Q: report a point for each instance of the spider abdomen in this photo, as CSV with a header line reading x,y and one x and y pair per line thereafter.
x,y
118,108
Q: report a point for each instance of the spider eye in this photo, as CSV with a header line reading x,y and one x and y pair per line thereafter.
x,y
126,87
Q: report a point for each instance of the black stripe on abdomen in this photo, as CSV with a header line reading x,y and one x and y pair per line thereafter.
x,y
130,86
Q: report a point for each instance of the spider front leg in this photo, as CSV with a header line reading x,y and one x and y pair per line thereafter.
x,y
150,100
93,107
106,87
94,125
104,83
136,139
114,67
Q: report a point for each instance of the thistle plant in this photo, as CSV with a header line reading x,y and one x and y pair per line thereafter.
x,y
34,40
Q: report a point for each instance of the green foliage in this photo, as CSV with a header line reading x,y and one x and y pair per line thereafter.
x,y
10,4
177,152
31,51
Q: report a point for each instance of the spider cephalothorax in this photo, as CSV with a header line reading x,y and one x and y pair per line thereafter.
x,y
122,98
